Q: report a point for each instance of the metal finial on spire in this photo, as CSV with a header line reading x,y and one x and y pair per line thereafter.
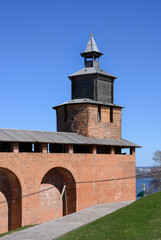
x,y
91,34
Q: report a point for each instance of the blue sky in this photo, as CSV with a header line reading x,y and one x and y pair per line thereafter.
x,y
40,45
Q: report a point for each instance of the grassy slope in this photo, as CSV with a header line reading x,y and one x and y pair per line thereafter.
x,y
140,221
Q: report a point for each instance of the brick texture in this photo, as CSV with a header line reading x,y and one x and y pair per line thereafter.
x,y
83,119
27,173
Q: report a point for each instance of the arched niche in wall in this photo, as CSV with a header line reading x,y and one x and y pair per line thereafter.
x,y
10,188
58,177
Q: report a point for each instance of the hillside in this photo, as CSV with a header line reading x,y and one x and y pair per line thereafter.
x,y
138,221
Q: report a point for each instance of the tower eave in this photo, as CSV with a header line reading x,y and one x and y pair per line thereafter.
x,y
87,101
90,71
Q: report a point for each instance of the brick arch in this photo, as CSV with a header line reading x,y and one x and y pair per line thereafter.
x,y
58,177
10,187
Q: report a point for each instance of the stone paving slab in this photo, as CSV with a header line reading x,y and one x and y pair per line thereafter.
x,y
53,229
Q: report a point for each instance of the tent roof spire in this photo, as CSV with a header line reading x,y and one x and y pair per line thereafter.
x,y
91,48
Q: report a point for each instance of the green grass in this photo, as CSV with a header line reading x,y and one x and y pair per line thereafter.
x,y
16,230
138,221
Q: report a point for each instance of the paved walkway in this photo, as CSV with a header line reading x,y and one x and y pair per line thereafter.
x,y
56,228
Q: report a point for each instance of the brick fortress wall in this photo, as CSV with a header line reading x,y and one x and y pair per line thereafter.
x,y
32,172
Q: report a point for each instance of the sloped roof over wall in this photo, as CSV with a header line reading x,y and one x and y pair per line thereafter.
x,y
13,135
